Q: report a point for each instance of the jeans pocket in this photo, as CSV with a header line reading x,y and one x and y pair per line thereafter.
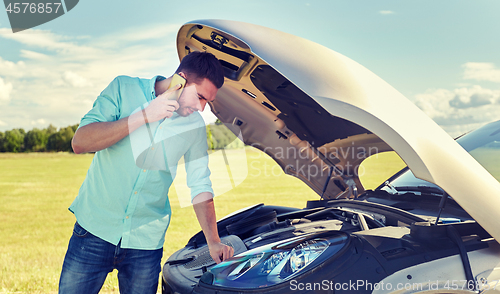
x,y
79,231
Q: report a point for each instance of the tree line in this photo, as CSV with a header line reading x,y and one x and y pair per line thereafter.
x,y
49,139
52,139
220,136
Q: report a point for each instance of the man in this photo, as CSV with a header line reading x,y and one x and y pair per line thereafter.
x,y
122,209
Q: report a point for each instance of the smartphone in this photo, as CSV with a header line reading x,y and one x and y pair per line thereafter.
x,y
177,79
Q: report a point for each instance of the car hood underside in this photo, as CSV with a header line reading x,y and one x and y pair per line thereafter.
x,y
319,114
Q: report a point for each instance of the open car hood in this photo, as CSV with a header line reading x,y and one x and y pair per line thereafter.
x,y
318,114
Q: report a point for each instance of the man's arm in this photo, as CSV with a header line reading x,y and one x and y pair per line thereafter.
x,y
101,135
205,212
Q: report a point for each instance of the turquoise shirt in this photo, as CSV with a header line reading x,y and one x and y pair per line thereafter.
x,y
125,194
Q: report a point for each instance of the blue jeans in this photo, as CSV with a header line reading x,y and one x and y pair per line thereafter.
x,y
89,259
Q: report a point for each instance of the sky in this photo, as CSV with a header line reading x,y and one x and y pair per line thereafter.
x,y
442,55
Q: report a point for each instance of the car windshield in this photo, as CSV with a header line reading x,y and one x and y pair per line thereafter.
x,y
483,144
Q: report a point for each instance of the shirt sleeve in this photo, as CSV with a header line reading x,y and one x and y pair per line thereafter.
x,y
106,107
197,170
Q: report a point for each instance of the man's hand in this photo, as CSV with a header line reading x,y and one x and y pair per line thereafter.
x,y
220,252
203,205
162,107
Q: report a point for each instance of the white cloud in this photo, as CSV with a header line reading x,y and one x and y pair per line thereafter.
x,y
473,97
11,69
2,123
5,90
33,55
481,71
47,40
385,12
462,109
38,122
59,77
467,107
139,34
75,80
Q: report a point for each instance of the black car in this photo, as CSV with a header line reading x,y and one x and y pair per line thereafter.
x,y
432,227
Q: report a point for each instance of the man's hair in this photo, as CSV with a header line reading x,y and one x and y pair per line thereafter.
x,y
199,65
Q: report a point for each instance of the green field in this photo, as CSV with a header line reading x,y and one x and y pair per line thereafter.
x,y
35,224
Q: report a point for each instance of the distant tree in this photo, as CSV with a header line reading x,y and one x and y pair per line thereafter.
x,y
219,136
50,130
61,140
67,134
14,140
210,140
36,140
2,139
75,127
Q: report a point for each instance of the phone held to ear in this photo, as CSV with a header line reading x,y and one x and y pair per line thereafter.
x,y
177,79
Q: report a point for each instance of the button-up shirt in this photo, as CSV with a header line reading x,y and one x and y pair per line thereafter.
x,y
125,193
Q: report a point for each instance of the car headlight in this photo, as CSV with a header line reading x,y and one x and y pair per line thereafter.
x,y
277,262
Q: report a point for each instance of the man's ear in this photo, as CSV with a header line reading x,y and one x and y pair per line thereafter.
x,y
182,75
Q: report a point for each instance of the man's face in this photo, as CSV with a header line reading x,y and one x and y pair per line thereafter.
x,y
195,96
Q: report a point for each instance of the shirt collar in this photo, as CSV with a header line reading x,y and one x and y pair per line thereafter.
x,y
152,83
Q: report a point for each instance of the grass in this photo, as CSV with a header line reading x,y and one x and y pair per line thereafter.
x,y
378,168
489,159
35,224
34,221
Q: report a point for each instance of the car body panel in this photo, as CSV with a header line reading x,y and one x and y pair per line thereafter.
x,y
446,274
361,103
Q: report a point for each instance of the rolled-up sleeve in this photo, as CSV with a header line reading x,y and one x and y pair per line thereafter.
x,y
197,170
106,107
